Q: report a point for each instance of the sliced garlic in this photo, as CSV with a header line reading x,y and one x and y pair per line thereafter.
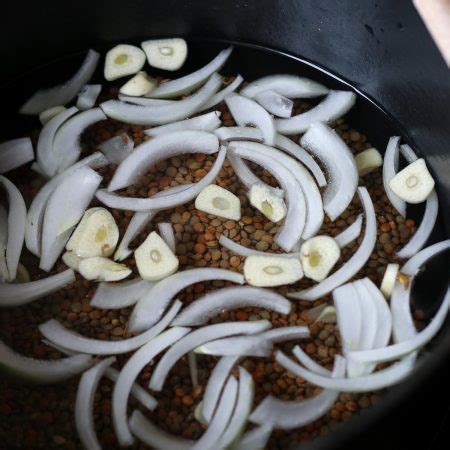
x,y
414,183
71,260
154,259
48,114
166,54
218,201
368,160
263,199
265,271
389,279
123,60
318,256
22,275
139,85
96,235
102,269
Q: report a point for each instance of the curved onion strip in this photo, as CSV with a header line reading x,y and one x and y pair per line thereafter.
x,y
197,338
39,370
151,306
193,369
229,134
161,147
402,320
55,332
63,93
65,207
139,221
164,201
17,213
283,334
220,96
143,101
334,106
293,414
154,437
390,167
160,115
207,122
128,375
4,274
226,299
290,86
84,404
119,295
355,263
275,103
313,199
35,216
23,293
292,228
246,111
215,384
188,83
210,438
241,412
351,233
255,439
117,148
166,232
237,346
309,363
325,144
378,380
67,145
15,153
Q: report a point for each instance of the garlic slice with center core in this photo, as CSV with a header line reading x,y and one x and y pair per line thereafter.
x,y
264,200
139,85
220,202
166,54
123,60
71,260
368,160
154,259
102,269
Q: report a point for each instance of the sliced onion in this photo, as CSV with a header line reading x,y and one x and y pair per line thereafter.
x,y
4,274
220,96
47,160
355,263
275,103
166,232
143,101
88,96
247,112
119,295
166,201
189,83
65,207
207,122
293,414
351,233
325,143
283,334
228,134
290,86
63,93
335,105
255,346
322,313
84,404
215,385
255,439
35,216
17,213
15,153
39,370
67,145
197,338
23,293
226,299
193,368
160,115
128,375
309,363
117,148
294,222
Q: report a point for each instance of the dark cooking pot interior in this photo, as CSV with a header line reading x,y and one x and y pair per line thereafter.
x,y
380,49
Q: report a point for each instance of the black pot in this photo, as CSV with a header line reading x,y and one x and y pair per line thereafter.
x,y
380,47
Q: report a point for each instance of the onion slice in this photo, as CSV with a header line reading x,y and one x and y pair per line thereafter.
x,y
160,115
220,96
207,122
151,306
309,363
4,274
355,263
143,101
15,153
17,213
351,233
20,294
63,93
197,338
237,346
117,148
334,106
42,371
325,143
55,332
226,299
255,439
275,103
84,404
128,375
166,232
189,83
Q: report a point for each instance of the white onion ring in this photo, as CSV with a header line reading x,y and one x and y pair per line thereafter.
x,y
143,101
309,363
275,103
220,96
254,439
255,346
15,153
168,236
351,233
117,148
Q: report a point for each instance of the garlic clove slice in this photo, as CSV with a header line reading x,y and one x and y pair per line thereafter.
x,y
166,54
123,60
102,269
216,200
264,200
368,160
139,85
